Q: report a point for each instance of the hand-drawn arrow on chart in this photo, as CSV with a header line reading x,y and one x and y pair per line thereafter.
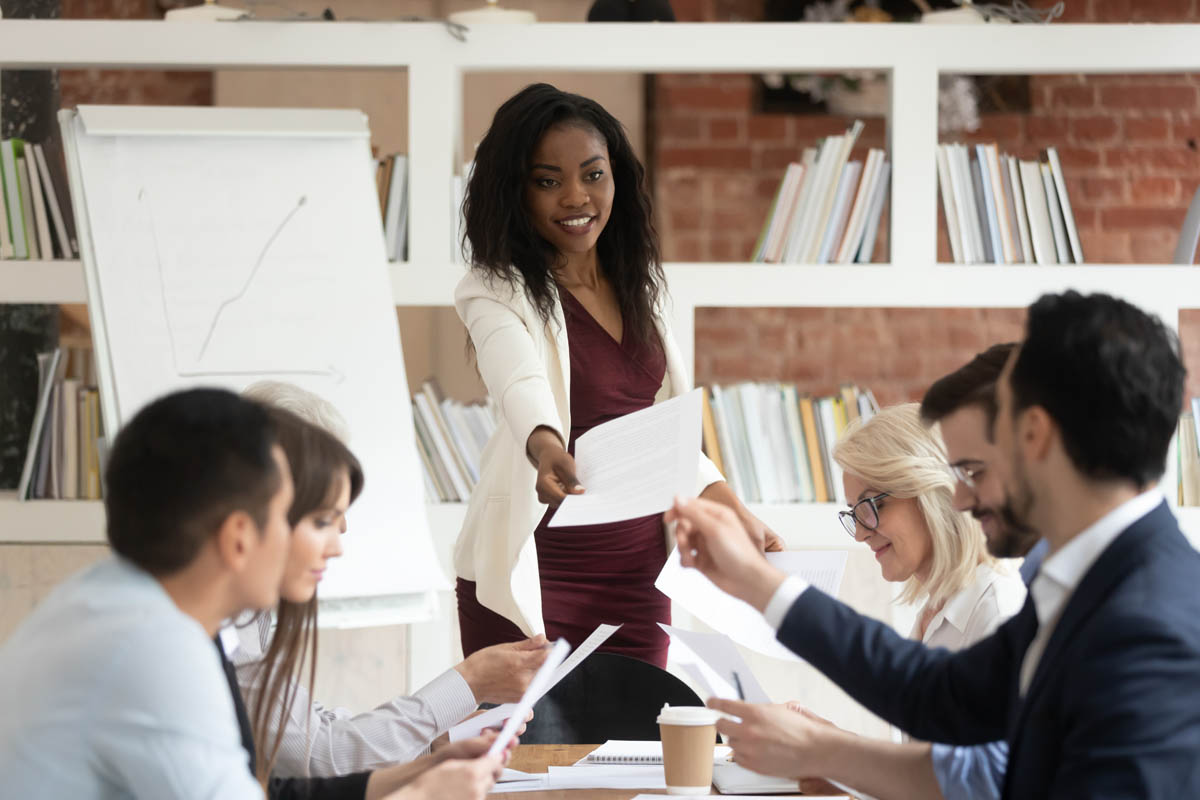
x,y
332,372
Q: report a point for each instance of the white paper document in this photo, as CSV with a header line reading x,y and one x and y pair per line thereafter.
x,y
716,657
737,619
607,777
537,687
635,465
495,717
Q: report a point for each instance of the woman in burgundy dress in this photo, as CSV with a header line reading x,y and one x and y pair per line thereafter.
x,y
563,306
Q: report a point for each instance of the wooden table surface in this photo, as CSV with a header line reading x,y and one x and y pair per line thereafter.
x,y
537,757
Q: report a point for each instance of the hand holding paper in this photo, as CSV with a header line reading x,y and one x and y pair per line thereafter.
x,y
635,465
537,687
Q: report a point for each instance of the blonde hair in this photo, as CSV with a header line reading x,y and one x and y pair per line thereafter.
x,y
306,405
894,453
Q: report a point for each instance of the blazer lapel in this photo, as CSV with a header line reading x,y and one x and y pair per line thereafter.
x,y
556,340
1122,557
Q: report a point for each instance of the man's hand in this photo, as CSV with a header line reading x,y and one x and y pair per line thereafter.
x,y
712,539
773,739
473,748
501,673
459,779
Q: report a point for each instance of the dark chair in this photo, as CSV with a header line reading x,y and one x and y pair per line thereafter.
x,y
606,697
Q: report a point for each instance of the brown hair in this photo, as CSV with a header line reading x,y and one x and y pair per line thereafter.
x,y
319,461
973,384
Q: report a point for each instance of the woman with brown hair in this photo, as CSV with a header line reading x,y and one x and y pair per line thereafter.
x,y
327,479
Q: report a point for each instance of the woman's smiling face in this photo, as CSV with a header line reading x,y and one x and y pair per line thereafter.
x,y
901,540
569,189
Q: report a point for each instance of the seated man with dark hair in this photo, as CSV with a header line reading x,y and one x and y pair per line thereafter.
x,y
111,686
1091,683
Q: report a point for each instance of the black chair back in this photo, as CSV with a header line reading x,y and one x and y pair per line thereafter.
x,y
608,696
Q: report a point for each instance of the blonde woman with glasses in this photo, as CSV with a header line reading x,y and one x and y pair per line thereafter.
x,y
901,497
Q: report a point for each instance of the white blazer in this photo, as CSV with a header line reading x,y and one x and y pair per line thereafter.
x,y
526,367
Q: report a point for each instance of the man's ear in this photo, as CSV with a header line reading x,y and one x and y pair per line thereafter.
x,y
235,540
1038,432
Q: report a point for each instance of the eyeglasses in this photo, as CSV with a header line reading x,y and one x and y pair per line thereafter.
x,y
865,513
968,472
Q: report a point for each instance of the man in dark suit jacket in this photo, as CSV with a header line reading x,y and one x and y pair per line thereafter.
x,y
1094,683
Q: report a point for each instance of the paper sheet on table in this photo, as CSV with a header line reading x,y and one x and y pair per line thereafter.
x,y
635,465
538,686
718,660
737,619
608,777
494,717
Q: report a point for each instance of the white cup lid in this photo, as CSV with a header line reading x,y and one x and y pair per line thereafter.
x,y
687,715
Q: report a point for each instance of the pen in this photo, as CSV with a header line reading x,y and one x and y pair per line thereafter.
x,y
737,682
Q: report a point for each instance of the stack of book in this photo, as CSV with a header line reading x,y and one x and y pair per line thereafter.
x,y
391,179
35,210
64,457
827,208
1001,210
450,439
774,444
1188,452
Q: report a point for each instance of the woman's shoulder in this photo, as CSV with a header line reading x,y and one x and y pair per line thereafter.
x,y
484,284
1002,591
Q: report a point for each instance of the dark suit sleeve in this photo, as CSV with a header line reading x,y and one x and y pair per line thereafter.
x,y
933,694
346,787
1134,723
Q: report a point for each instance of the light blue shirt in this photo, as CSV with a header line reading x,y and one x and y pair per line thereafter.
x,y
977,773
108,690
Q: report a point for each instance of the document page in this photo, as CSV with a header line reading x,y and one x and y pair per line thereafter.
x,y
739,620
726,673
635,465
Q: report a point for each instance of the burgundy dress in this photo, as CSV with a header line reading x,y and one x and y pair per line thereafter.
x,y
594,573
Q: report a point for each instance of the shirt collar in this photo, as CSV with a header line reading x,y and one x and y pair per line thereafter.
x,y
1061,573
959,607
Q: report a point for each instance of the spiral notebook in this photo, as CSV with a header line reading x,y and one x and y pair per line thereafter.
x,y
619,751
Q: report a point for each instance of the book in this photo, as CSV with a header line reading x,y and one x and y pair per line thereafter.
x,y
12,197
953,232
47,369
791,407
839,214
1000,200
733,778
712,444
824,208
740,440
41,220
396,213
964,197
875,213
986,227
857,224
620,751
759,443
828,427
777,215
811,162
812,195
459,475
434,465
729,456
812,438
50,192
1039,215
1021,215
1061,246
23,185
775,425
785,213
56,170
1064,201
69,440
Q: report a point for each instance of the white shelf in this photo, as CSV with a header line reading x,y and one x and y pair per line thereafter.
x,y
42,282
50,521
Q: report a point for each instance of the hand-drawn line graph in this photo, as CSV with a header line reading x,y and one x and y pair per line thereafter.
x,y
330,371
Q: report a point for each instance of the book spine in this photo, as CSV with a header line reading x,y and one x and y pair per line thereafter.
x,y
953,233
841,210
867,251
1039,216
1064,199
1061,245
987,210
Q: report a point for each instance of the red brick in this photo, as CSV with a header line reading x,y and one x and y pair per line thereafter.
x,y
1098,191
725,129
721,157
776,159
678,127
1154,192
1164,11
1094,129
713,337
766,188
810,127
1044,130
1078,11
1147,129
1072,97
1106,247
1160,97
768,127
1186,130
706,98
1165,159
1153,247
772,337
726,248
685,248
1112,10
1078,157
1133,217
999,127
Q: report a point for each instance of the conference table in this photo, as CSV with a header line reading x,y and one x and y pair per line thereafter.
x,y
539,757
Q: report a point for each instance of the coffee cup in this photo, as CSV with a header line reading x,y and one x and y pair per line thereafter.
x,y
688,735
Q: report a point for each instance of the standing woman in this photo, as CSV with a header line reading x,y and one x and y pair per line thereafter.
x,y
564,307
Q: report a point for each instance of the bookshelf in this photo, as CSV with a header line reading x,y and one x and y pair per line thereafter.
x,y
434,64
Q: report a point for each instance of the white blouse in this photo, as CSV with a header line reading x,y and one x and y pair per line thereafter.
x,y
975,611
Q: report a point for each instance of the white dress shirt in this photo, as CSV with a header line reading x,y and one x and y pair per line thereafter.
x,y
975,611
110,691
324,742
1062,571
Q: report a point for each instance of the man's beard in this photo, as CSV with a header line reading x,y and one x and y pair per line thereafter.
x,y
1016,536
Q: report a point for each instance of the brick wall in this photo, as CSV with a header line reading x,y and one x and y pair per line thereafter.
x,y
1130,147
133,87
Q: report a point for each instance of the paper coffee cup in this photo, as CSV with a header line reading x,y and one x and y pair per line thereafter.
x,y
688,736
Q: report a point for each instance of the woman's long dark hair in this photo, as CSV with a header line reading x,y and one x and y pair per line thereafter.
x,y
319,463
502,238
